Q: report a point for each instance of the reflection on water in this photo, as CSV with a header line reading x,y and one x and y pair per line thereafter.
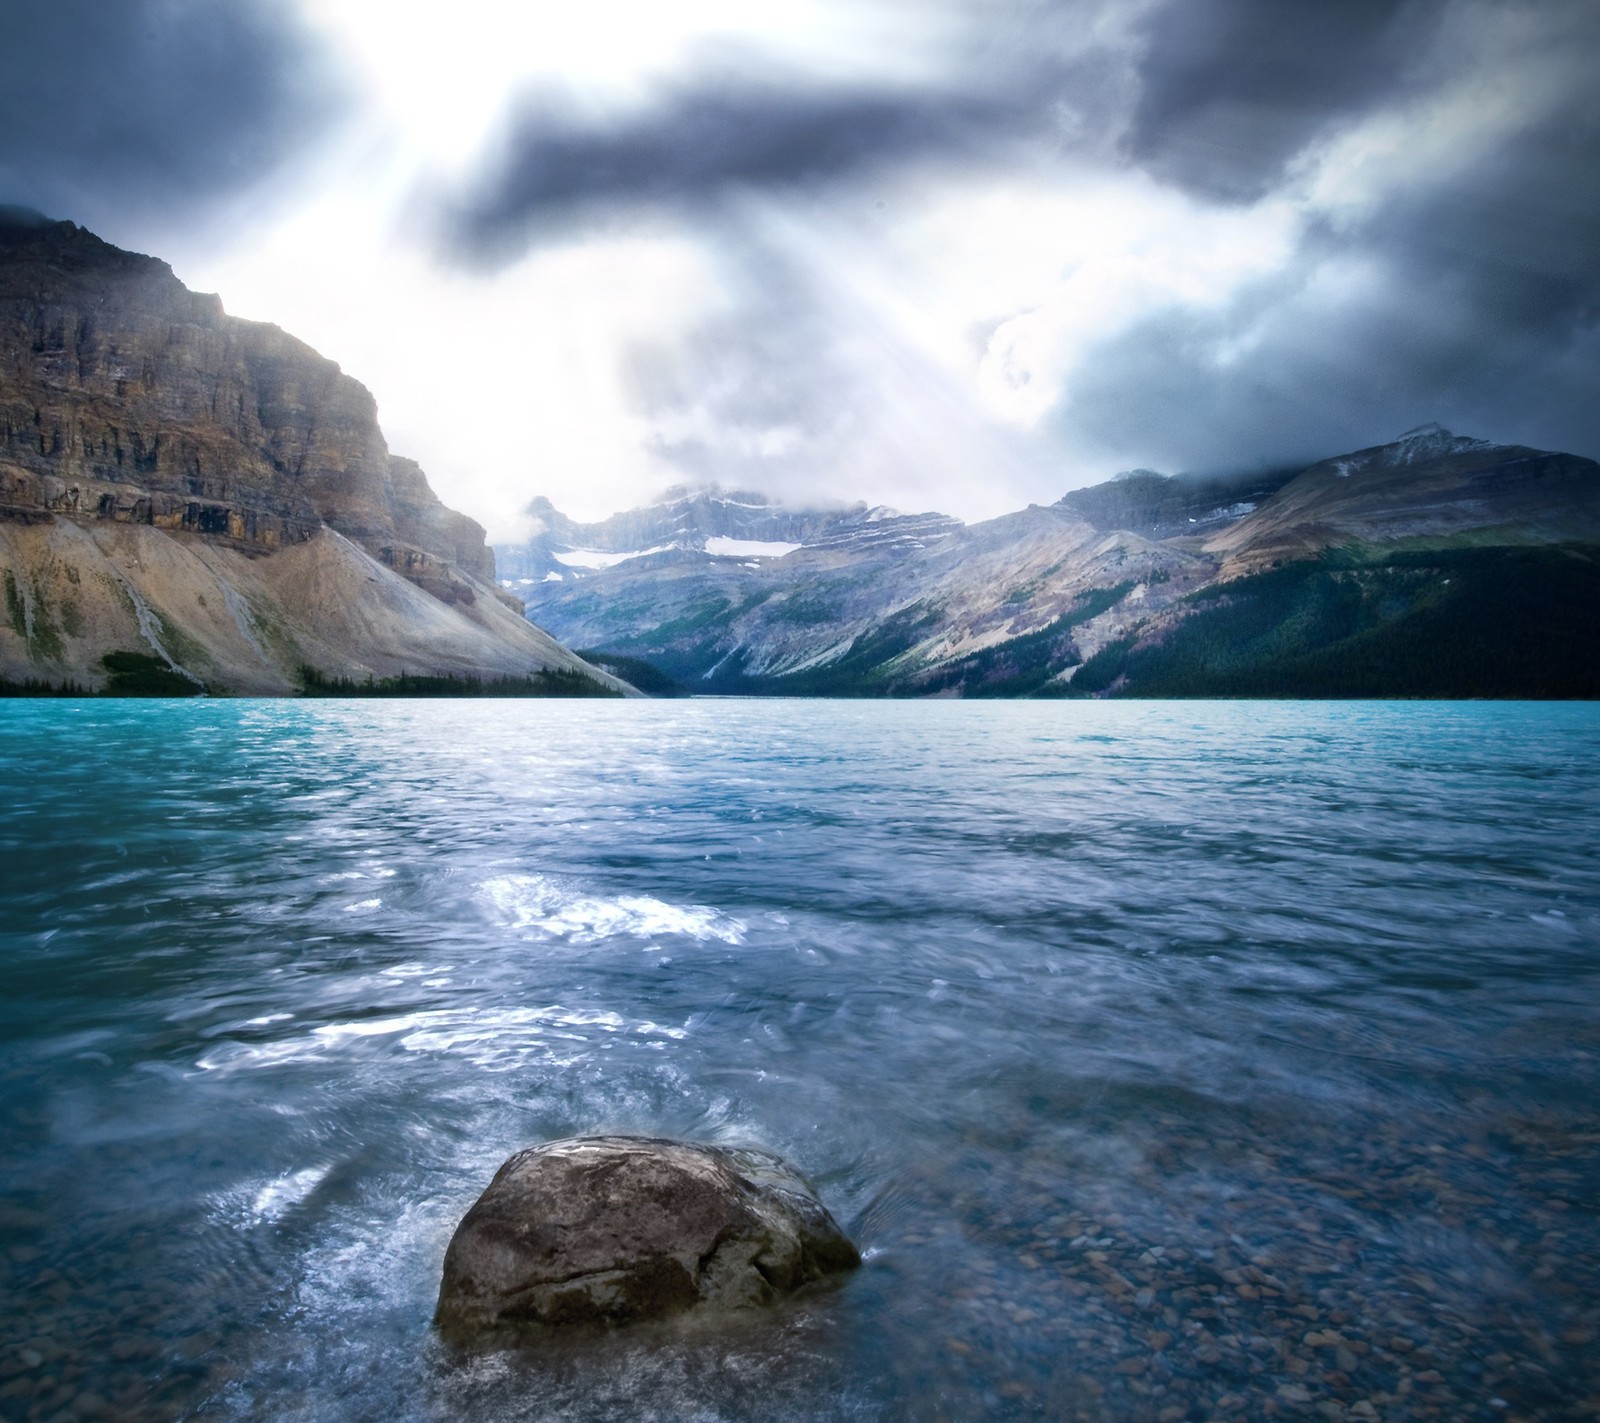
x,y
1169,1061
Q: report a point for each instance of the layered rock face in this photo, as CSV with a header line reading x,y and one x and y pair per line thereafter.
x,y
126,397
608,1230
153,449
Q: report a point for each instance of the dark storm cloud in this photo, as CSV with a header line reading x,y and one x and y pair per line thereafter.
x,y
1013,76
1480,307
698,144
1217,96
112,107
1481,294
1516,232
1230,91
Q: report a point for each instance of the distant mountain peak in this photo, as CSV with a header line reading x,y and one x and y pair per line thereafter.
x,y
690,523
1127,475
712,494
29,219
1416,446
1432,439
1157,505
1081,598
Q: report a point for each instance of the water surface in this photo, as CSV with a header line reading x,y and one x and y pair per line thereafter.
x,y
1168,1061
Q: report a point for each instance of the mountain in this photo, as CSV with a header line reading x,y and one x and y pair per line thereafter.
x,y
212,496
821,601
1428,487
711,521
1435,565
1164,506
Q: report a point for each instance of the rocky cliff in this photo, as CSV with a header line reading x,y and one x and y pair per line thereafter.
x,y
144,429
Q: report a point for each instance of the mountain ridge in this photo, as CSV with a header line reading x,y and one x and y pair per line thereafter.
x,y
1018,604
708,518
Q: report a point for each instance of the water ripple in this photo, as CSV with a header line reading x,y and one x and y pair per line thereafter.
x,y
1136,1043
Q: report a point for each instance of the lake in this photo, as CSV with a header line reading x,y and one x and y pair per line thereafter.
x,y
1168,1061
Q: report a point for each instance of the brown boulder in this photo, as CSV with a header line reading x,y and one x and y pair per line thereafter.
x,y
611,1229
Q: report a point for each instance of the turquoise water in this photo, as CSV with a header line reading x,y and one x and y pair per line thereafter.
x,y
1168,1061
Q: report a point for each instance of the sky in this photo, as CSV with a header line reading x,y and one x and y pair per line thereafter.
x,y
941,254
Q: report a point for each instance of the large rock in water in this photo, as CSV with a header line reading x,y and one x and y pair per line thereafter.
x,y
610,1229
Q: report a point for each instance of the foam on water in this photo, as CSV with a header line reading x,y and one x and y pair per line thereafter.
x,y
497,1040
276,1197
534,902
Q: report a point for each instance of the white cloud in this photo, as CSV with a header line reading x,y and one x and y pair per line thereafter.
x,y
503,386
1074,262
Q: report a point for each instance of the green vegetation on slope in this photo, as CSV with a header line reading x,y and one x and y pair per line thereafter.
x,y
16,613
1461,622
1022,666
131,674
39,687
650,680
137,674
553,682
865,669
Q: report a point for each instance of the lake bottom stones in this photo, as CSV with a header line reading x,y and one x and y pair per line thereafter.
x,y
607,1230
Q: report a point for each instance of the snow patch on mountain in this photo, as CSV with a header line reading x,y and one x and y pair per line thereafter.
x,y
749,548
602,558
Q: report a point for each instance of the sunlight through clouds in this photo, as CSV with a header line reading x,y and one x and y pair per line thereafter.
x,y
962,254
